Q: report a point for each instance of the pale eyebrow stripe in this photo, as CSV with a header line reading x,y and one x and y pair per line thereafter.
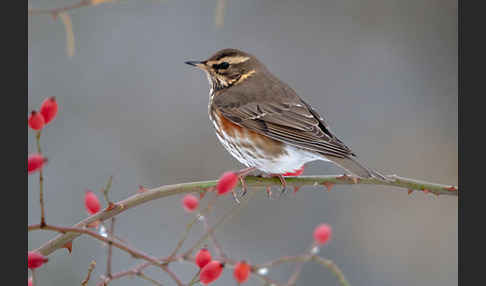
x,y
233,60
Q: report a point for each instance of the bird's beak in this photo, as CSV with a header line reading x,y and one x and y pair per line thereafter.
x,y
198,64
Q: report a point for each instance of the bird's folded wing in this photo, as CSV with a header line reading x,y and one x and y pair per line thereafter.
x,y
293,122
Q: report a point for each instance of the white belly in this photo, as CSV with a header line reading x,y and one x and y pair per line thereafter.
x,y
291,160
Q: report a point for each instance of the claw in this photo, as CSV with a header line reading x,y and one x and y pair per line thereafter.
x,y
283,182
242,174
243,187
328,185
235,197
296,189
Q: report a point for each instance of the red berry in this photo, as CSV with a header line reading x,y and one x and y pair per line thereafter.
x,y
36,120
190,203
30,281
35,259
91,202
227,182
203,257
322,233
35,162
211,272
49,109
242,272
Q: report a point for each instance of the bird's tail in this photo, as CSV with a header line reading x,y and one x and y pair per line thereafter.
x,y
356,168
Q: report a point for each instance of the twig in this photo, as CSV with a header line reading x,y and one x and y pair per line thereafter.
x,y
143,276
204,212
334,269
222,220
107,189
41,182
90,269
110,248
219,13
135,253
305,257
34,277
217,245
295,275
298,268
195,278
170,190
56,11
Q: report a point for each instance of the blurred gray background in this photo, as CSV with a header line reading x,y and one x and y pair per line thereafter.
x,y
383,72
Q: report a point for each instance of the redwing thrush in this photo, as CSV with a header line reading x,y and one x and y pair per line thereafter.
x,y
264,124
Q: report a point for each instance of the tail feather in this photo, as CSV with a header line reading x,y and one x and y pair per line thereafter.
x,y
356,168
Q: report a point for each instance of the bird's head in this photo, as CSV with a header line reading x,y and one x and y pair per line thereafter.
x,y
228,67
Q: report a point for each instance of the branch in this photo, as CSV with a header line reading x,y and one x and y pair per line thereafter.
x,y
41,181
56,11
252,181
110,241
333,267
110,248
329,264
90,269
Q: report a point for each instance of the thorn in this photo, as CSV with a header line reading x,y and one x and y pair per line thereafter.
x,y
296,189
110,206
69,246
202,194
410,191
328,185
141,189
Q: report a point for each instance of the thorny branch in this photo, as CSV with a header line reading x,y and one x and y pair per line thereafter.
x,y
56,11
252,181
134,252
70,233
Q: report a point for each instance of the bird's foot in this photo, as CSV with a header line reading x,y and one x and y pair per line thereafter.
x,y
244,188
283,189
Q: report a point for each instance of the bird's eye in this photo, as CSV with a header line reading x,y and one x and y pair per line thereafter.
x,y
221,66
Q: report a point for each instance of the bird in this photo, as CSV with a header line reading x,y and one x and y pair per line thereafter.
x,y
265,125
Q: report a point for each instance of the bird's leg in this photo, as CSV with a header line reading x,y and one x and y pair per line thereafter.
x,y
284,184
282,181
242,174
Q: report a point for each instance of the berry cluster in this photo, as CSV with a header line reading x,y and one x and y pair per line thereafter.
x,y
211,270
37,120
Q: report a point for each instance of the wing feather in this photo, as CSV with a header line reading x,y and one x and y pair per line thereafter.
x,y
291,121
